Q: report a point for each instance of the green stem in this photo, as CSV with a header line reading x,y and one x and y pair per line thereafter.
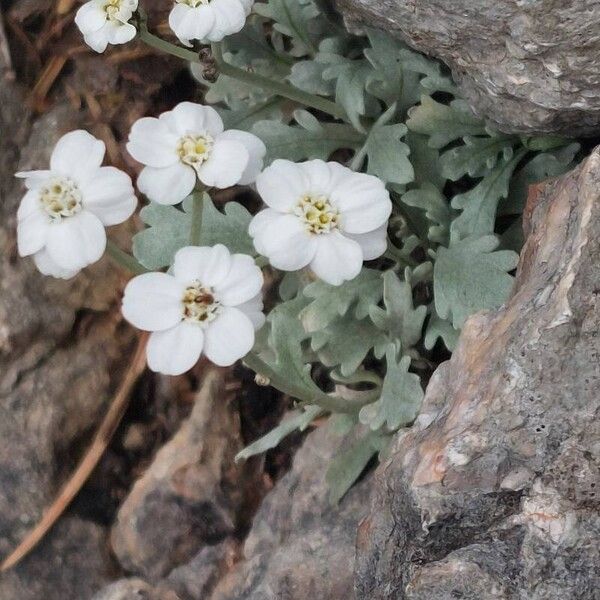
x,y
277,87
197,213
123,259
325,401
159,44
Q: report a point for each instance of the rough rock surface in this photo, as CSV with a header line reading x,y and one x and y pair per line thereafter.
x,y
527,65
190,494
300,546
498,498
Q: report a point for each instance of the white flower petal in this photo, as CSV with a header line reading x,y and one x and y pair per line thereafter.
x,y
364,203
153,301
227,162
77,155
152,143
120,33
77,241
256,149
373,243
189,23
90,17
338,258
34,179
319,176
168,185
97,40
230,17
209,265
189,118
110,196
47,266
282,184
29,204
283,239
32,228
176,350
253,309
243,282
229,337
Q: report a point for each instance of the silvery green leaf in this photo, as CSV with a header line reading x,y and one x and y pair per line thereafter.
x,y
285,361
341,424
540,167
438,328
479,204
169,230
299,20
346,342
401,397
469,276
246,117
388,154
298,420
290,286
425,161
476,155
328,302
307,75
437,210
296,143
348,465
443,124
351,78
400,319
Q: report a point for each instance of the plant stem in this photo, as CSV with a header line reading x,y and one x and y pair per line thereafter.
x,y
325,401
159,44
124,259
197,213
277,87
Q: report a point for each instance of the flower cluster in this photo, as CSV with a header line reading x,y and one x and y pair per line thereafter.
x,y
188,144
211,304
104,22
319,215
62,216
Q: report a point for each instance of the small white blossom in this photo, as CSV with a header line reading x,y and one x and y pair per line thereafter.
x,y
208,20
186,144
211,304
62,216
321,215
104,22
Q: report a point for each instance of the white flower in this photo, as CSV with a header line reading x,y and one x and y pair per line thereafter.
x,y
321,215
208,20
62,217
104,22
211,304
189,143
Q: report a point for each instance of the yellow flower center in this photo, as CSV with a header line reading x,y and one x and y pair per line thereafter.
x,y
193,3
61,197
194,150
112,9
199,304
317,213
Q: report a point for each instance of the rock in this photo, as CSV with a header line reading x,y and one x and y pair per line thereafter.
x,y
130,589
498,497
71,562
530,66
300,546
190,494
197,579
